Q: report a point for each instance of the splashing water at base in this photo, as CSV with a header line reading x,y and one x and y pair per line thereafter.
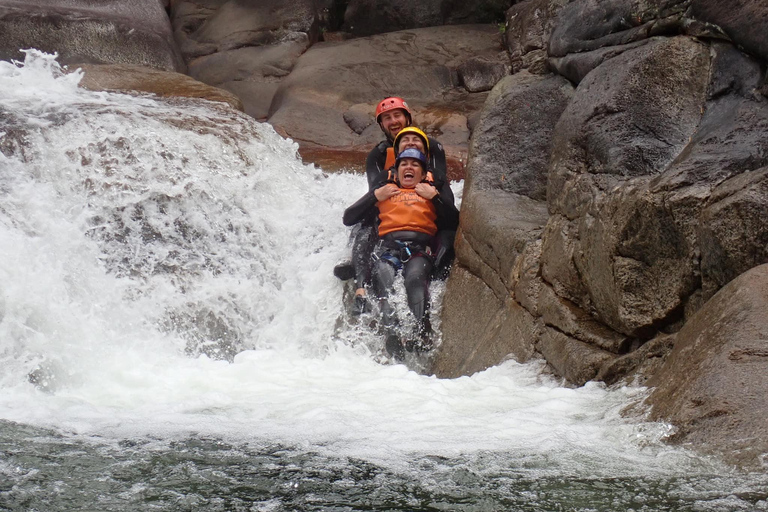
x,y
165,267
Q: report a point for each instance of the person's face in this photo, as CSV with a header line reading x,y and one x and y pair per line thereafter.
x,y
411,140
393,121
409,172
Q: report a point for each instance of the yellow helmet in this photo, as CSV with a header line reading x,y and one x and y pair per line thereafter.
x,y
412,129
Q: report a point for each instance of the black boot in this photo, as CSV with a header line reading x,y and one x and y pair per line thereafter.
x,y
360,305
394,347
344,271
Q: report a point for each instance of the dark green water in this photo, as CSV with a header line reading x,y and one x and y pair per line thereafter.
x,y
43,470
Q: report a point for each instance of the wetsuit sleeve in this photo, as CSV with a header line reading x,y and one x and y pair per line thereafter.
x,y
439,168
447,213
374,166
361,210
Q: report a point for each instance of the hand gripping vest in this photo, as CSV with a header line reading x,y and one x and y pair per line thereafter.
x,y
407,211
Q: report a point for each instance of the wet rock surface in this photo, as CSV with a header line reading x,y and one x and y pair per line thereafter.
x,y
115,77
82,31
713,386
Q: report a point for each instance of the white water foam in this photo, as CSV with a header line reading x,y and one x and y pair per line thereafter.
x,y
138,235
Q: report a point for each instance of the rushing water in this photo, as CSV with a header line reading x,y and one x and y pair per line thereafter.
x,y
165,281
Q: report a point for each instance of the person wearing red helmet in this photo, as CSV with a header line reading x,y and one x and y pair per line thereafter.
x,y
393,114
410,210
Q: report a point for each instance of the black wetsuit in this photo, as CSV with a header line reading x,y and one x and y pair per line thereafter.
x,y
407,250
364,235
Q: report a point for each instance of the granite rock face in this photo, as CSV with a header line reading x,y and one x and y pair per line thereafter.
x,y
82,31
744,21
713,386
655,179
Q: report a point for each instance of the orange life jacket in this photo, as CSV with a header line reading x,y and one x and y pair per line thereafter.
x,y
407,211
390,161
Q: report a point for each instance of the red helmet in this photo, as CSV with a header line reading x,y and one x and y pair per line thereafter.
x,y
392,103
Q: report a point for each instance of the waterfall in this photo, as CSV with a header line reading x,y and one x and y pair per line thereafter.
x,y
166,273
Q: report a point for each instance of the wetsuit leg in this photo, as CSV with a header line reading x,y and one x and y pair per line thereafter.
x,y
362,246
383,278
416,273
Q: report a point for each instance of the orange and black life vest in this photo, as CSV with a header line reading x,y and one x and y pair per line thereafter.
x,y
407,211
390,161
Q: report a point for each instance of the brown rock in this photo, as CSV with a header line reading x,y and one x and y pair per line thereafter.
x,y
84,31
495,229
636,367
526,275
113,77
733,230
564,316
479,330
480,75
512,141
570,358
253,73
745,21
713,385
529,25
419,65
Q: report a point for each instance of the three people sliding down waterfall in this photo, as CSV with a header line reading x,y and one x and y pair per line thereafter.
x,y
393,116
410,209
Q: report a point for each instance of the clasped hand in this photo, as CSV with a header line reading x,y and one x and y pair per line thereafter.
x,y
425,190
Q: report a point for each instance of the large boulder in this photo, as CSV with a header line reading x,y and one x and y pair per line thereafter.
x,y
745,21
245,47
482,332
512,141
613,248
253,73
585,25
83,31
713,386
495,229
528,27
323,103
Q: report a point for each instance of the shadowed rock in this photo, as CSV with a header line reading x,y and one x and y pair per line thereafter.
x,y
585,25
616,249
529,25
509,331
369,17
713,385
636,367
745,21
576,361
82,31
203,28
